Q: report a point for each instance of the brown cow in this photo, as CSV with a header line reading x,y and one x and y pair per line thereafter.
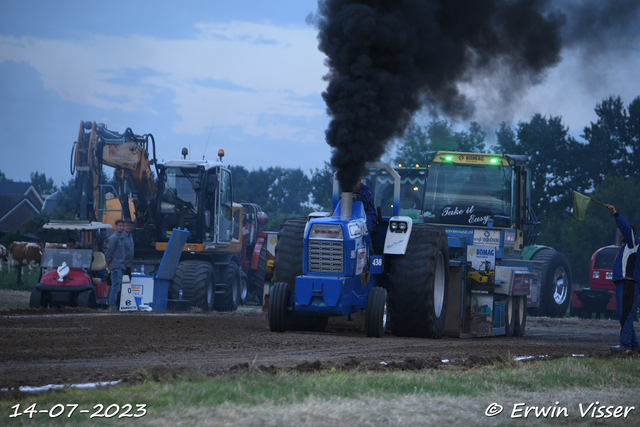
x,y
29,252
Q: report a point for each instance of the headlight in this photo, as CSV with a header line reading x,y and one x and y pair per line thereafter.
x,y
398,226
596,274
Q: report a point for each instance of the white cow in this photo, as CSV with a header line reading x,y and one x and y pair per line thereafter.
x,y
4,256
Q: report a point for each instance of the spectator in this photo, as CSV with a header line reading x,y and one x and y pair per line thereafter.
x,y
626,276
115,257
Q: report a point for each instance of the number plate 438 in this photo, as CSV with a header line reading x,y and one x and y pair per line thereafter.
x,y
375,261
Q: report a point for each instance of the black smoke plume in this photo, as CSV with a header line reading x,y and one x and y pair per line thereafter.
x,y
389,58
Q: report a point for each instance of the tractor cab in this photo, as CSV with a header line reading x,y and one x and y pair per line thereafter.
x,y
196,195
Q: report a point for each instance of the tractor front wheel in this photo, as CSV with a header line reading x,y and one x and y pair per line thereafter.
x,y
375,319
287,266
278,307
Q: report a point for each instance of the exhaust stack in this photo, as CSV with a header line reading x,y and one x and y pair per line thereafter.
x,y
346,205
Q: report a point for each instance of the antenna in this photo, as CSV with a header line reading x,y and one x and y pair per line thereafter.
x,y
210,130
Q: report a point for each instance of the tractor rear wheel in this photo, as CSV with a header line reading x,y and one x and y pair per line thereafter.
x,y
36,300
521,315
278,302
87,299
418,284
230,299
287,265
555,284
197,281
375,318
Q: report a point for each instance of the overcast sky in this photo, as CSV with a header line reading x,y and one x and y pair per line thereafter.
x,y
245,76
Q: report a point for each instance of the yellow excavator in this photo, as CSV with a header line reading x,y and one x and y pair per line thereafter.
x,y
224,259
129,155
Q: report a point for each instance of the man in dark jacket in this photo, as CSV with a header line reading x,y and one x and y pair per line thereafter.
x,y
364,194
626,276
115,257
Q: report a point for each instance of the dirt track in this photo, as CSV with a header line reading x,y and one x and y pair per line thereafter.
x,y
75,346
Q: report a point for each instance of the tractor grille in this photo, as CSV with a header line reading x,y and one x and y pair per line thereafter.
x,y
326,256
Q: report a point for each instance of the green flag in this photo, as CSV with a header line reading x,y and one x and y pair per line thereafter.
x,y
580,204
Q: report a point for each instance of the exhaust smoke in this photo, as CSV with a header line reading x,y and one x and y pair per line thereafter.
x,y
388,59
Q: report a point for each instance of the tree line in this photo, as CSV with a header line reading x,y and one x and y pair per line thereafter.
x,y
603,166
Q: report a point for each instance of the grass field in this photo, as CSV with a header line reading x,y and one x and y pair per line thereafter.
x,y
12,295
556,388
8,280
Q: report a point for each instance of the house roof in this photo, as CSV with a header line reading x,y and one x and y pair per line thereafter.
x,y
17,188
17,191
13,193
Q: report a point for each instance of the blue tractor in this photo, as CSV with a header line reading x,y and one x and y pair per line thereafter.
x,y
325,266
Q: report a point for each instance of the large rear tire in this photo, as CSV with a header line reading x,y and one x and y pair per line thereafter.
x,y
418,284
197,281
375,319
287,265
555,285
230,299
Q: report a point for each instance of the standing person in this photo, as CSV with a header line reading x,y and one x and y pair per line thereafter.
x,y
626,276
115,257
128,246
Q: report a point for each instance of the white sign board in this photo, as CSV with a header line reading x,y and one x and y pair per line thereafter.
x,y
127,299
479,256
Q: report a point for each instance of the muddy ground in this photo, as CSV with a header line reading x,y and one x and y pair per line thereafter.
x,y
70,346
